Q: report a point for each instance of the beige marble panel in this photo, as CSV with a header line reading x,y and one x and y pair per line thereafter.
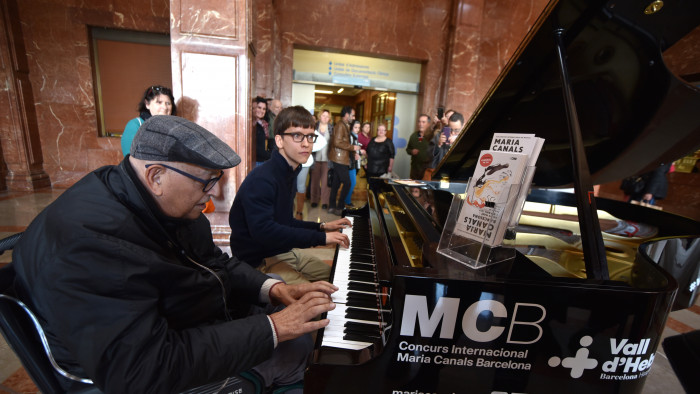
x,y
210,18
216,100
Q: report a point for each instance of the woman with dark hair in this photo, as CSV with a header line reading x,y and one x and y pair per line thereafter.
x,y
364,138
354,162
380,154
157,100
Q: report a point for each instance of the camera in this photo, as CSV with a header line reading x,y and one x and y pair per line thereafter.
x,y
440,112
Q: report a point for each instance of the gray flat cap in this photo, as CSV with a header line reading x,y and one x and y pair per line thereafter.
x,y
171,138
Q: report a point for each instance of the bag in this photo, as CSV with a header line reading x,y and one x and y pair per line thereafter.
x,y
633,185
330,177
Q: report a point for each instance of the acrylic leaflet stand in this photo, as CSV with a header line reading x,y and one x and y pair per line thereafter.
x,y
503,217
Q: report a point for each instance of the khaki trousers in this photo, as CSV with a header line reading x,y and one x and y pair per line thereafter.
x,y
296,267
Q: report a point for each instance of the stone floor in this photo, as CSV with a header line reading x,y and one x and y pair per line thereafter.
x,y
18,209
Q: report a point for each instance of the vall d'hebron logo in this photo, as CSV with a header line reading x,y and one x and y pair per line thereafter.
x,y
627,361
630,367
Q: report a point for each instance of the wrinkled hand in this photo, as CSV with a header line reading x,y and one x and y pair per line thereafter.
x,y
287,294
337,224
336,238
296,319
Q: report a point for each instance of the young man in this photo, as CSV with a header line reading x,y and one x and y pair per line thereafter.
x,y
125,278
264,232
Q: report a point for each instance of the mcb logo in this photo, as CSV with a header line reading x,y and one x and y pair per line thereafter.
x,y
578,363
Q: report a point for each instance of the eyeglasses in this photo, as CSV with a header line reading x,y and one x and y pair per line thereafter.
x,y
208,184
298,137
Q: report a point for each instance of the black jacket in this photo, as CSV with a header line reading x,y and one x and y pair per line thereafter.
x,y
132,299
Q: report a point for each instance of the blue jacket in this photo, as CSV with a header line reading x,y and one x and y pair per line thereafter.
x,y
262,216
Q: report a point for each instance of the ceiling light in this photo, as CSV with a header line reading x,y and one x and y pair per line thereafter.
x,y
324,91
340,90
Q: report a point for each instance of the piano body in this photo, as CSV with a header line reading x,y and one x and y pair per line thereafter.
x,y
410,320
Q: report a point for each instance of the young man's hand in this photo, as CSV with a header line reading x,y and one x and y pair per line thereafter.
x,y
337,225
336,238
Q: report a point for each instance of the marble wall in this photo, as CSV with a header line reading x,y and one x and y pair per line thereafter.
x,y
405,30
58,52
462,44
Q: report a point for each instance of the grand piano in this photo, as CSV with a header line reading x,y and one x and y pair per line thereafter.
x,y
579,308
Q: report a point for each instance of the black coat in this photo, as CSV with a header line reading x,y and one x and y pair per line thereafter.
x,y
134,300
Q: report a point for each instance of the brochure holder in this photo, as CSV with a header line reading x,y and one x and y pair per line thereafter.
x,y
520,202
502,218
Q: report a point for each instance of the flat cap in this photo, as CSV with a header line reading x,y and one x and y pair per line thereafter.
x,y
171,138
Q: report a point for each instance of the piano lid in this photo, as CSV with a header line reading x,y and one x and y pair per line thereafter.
x,y
633,112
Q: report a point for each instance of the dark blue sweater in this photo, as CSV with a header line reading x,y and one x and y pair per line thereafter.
x,y
261,218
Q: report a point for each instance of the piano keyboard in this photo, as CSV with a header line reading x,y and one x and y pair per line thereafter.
x,y
356,322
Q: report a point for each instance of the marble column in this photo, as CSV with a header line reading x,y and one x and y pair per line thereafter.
x,y
19,131
210,55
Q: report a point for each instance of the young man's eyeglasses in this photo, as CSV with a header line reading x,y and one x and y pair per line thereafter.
x,y
208,184
298,137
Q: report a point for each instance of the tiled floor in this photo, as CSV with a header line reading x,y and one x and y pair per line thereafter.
x,y
18,209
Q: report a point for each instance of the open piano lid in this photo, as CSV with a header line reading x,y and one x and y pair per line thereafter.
x,y
634,113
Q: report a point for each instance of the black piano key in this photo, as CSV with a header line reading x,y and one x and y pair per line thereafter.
x,y
362,314
361,258
359,338
369,329
362,266
363,287
362,300
362,276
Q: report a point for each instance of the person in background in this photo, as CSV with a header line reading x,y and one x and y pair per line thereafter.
x,y
339,154
354,162
261,131
380,154
154,304
364,138
425,199
655,186
320,189
440,125
441,143
157,100
304,172
274,108
264,233
417,148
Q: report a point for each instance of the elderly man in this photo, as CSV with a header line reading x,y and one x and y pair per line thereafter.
x,y
418,148
131,290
